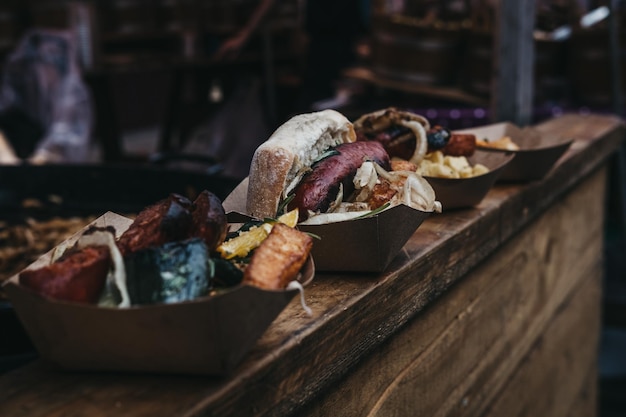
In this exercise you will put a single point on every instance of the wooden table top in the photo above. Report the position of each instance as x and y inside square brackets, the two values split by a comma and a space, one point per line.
[299, 356]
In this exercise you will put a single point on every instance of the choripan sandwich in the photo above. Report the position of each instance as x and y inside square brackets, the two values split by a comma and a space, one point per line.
[314, 163]
[409, 136]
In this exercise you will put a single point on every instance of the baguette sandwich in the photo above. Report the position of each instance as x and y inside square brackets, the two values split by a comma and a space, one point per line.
[314, 163]
[409, 136]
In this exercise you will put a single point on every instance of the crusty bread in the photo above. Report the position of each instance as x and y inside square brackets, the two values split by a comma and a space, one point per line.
[293, 147]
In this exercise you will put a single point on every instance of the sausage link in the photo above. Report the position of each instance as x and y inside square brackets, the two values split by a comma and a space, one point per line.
[319, 188]
[460, 145]
[165, 221]
[78, 276]
[209, 219]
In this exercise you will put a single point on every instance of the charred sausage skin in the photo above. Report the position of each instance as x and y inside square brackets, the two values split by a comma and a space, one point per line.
[165, 221]
[209, 219]
[319, 188]
[176, 218]
[78, 276]
[460, 144]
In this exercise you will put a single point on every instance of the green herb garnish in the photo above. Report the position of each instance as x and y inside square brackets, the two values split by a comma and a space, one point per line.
[283, 204]
[313, 235]
[375, 211]
[330, 152]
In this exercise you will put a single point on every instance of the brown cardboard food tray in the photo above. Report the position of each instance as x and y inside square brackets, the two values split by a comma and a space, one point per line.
[360, 245]
[209, 335]
[537, 155]
[467, 192]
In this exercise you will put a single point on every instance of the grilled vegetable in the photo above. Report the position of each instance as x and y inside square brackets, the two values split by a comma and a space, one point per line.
[240, 246]
[247, 240]
[173, 272]
[224, 274]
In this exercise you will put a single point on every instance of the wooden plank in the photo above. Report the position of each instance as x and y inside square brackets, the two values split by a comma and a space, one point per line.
[299, 356]
[513, 72]
[556, 370]
[458, 357]
[586, 402]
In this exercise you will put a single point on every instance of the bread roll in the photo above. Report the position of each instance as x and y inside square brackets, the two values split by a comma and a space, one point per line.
[281, 161]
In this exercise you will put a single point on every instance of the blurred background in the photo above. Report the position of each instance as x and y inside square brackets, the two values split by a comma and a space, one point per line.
[98, 96]
[154, 69]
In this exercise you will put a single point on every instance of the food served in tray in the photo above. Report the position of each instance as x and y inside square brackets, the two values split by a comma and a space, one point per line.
[171, 252]
[433, 151]
[535, 153]
[313, 163]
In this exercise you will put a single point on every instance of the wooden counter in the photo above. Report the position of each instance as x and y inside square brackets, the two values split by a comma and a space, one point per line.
[489, 311]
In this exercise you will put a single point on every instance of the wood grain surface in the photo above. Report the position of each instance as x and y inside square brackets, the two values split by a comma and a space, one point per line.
[464, 319]
[490, 337]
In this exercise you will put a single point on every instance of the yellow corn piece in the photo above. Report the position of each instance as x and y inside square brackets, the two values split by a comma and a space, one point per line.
[246, 241]
[241, 245]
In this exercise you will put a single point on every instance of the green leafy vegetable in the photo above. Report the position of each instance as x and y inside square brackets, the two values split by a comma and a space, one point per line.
[375, 211]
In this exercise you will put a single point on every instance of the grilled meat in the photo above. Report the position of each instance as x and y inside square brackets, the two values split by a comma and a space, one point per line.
[279, 258]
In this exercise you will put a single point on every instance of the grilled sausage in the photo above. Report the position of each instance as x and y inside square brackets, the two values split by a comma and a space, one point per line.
[78, 276]
[460, 145]
[209, 219]
[319, 188]
[165, 221]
